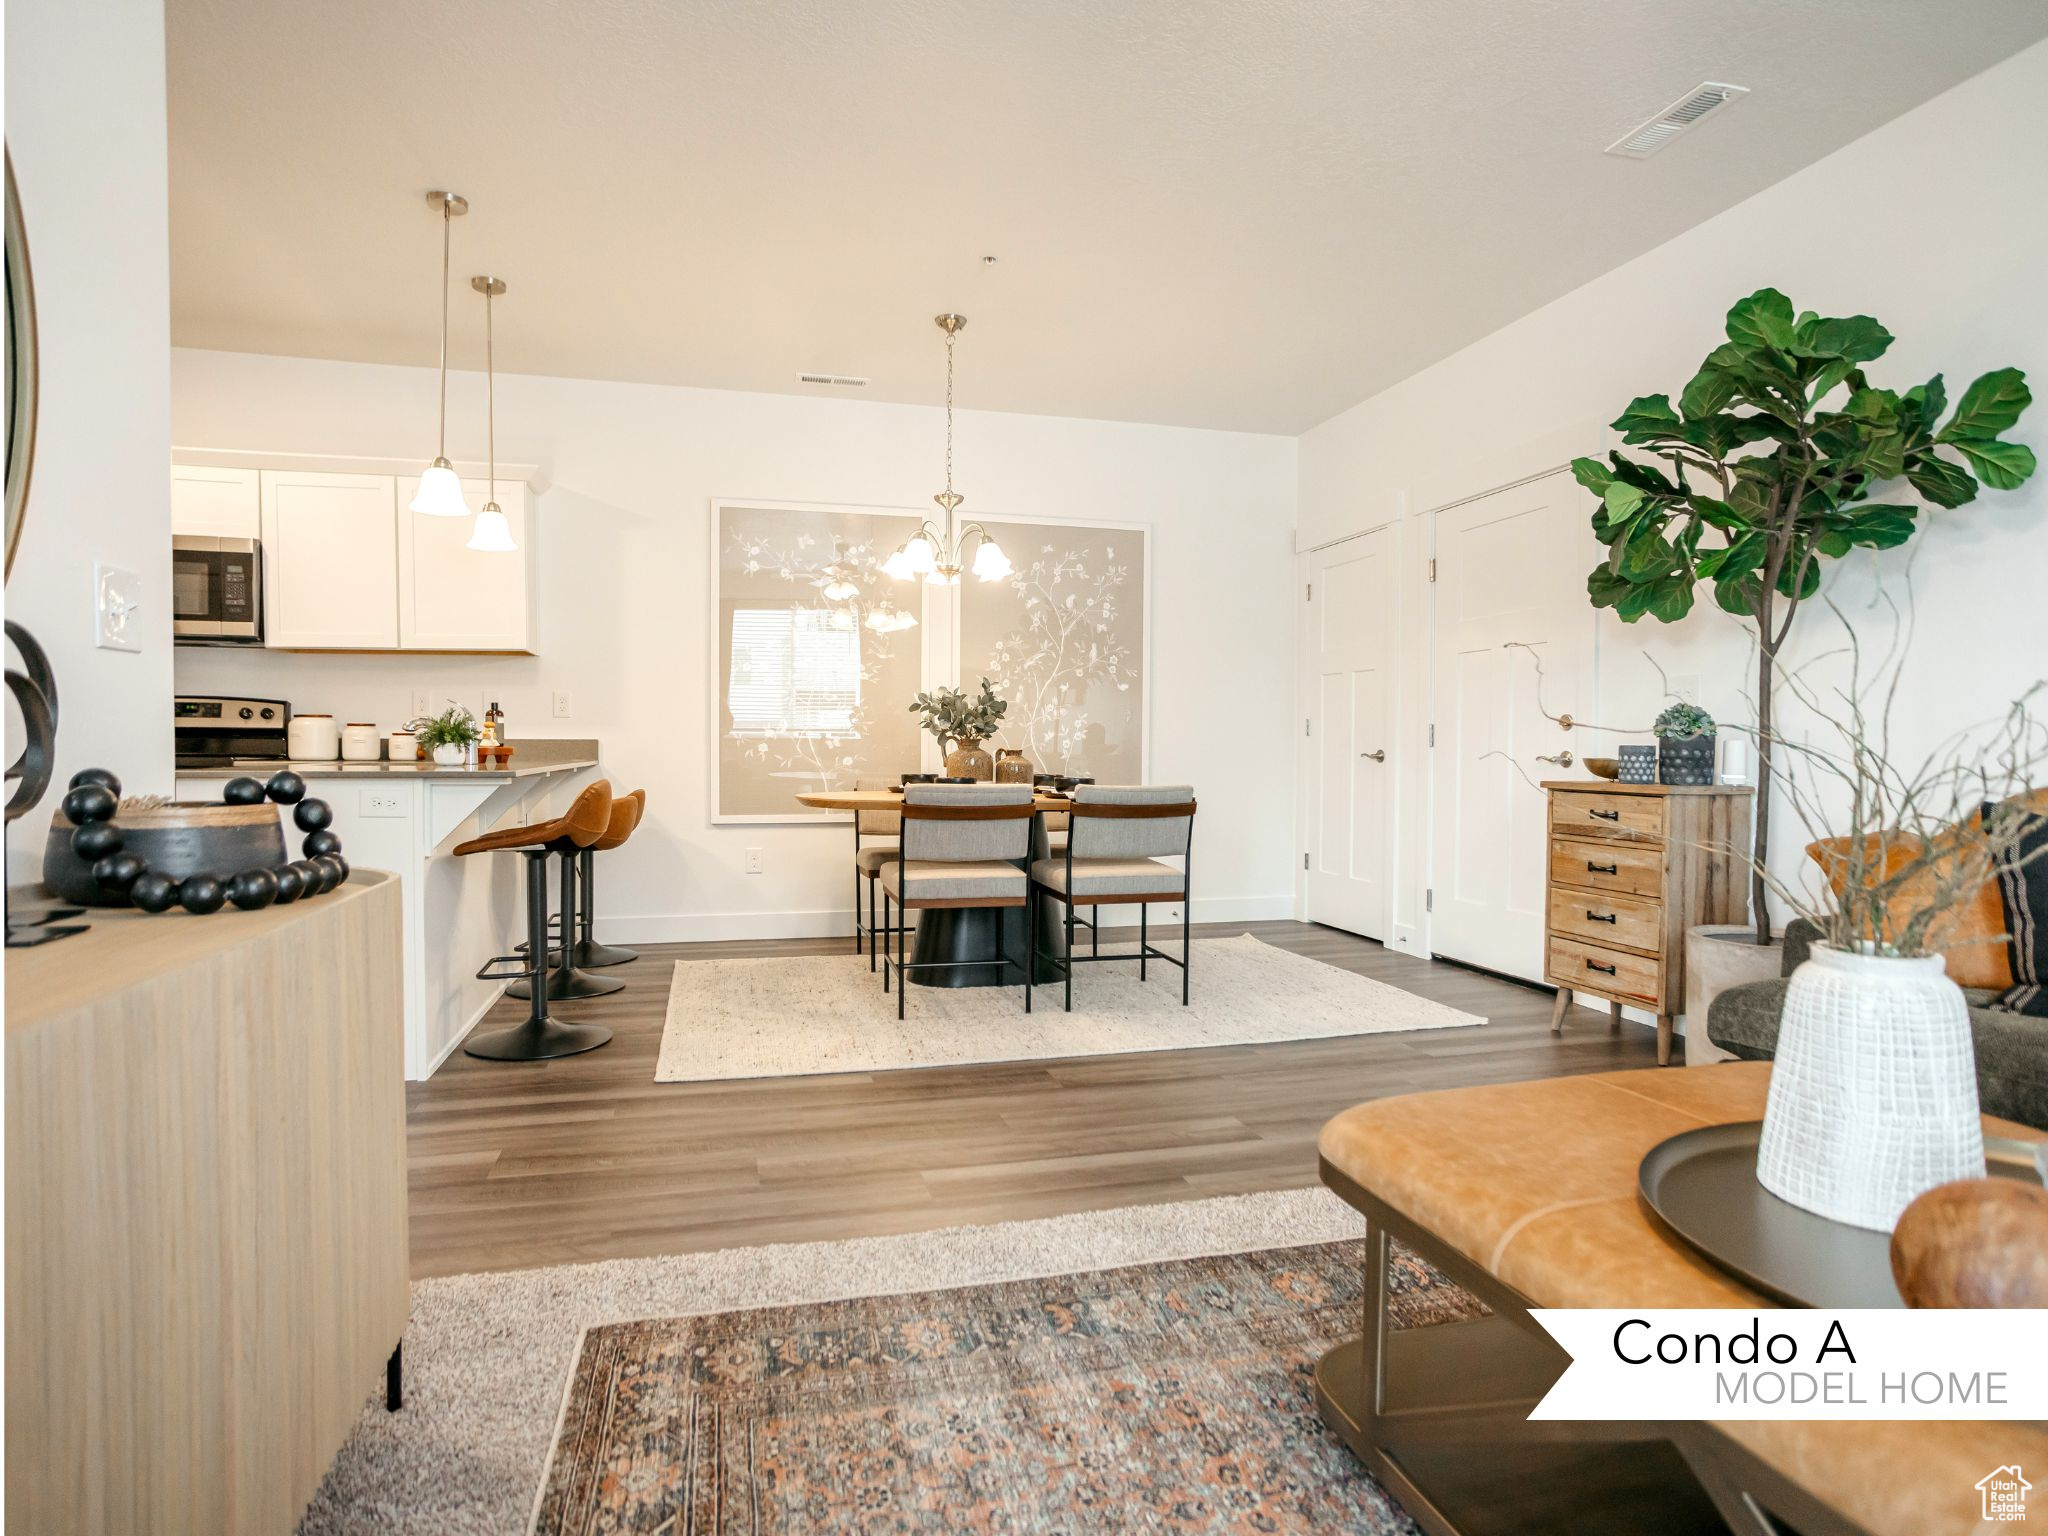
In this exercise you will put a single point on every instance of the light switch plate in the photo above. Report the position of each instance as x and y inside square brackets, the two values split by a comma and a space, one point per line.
[117, 605]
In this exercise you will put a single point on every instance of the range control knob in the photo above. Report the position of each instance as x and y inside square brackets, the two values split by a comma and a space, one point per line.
[269, 713]
[248, 713]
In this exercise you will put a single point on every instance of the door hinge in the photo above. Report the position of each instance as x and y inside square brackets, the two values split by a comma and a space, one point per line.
[1304, 727]
[1311, 591]
[1304, 861]
[1429, 901]
[1432, 735]
[1432, 567]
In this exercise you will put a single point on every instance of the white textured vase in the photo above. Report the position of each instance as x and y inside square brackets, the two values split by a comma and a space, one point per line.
[1874, 1094]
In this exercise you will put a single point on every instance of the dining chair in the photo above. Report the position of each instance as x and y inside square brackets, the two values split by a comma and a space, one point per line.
[875, 840]
[1055, 825]
[962, 845]
[1117, 844]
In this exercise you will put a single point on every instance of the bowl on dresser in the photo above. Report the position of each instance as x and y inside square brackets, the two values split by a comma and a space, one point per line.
[174, 839]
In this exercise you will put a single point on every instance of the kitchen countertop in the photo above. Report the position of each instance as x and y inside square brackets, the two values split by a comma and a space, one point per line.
[530, 759]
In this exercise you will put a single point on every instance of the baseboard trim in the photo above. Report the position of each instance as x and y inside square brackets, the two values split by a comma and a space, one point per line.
[718, 927]
[476, 1017]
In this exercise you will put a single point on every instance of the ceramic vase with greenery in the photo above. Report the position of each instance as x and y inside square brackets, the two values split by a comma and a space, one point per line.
[448, 736]
[1771, 456]
[960, 725]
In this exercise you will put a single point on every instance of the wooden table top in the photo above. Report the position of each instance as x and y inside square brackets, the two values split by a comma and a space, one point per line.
[892, 800]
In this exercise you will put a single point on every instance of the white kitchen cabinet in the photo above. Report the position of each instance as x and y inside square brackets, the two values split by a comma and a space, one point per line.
[330, 561]
[222, 503]
[453, 598]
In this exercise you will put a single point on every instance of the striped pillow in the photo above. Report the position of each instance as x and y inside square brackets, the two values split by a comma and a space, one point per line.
[2023, 889]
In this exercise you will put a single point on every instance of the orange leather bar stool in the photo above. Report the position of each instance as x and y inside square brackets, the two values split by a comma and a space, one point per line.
[626, 816]
[540, 1038]
[568, 980]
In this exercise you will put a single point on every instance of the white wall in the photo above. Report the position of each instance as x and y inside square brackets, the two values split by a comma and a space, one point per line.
[624, 549]
[1936, 225]
[85, 128]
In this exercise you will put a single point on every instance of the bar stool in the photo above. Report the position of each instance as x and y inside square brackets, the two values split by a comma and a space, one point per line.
[626, 816]
[568, 980]
[539, 1038]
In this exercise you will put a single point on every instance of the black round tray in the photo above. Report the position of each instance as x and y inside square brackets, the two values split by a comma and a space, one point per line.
[1701, 1186]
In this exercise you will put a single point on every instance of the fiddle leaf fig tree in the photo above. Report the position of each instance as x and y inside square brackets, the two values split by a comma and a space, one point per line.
[1769, 462]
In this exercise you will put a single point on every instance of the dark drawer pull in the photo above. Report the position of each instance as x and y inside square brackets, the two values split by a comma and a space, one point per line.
[1601, 869]
[1605, 815]
[1605, 970]
[1603, 917]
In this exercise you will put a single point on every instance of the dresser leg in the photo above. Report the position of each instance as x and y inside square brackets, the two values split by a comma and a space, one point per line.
[394, 1378]
[1558, 1010]
[1613, 1018]
[1663, 1039]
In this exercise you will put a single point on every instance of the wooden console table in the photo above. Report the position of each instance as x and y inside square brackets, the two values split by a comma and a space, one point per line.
[207, 1260]
[1525, 1194]
[1632, 866]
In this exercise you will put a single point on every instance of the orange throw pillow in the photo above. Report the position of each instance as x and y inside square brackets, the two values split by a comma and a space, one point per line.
[1972, 937]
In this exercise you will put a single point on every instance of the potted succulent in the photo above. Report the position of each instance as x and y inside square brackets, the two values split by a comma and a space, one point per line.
[449, 735]
[964, 724]
[1685, 746]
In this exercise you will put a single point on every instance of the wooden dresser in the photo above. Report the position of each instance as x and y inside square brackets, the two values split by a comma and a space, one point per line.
[1632, 866]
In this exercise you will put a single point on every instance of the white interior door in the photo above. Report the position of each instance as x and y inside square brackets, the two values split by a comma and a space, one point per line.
[1510, 573]
[1351, 595]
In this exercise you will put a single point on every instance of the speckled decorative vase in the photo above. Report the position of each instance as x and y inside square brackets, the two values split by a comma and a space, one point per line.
[1874, 1092]
[970, 760]
[1013, 767]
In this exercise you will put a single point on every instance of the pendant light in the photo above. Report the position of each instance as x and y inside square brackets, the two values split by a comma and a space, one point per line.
[927, 552]
[440, 492]
[492, 533]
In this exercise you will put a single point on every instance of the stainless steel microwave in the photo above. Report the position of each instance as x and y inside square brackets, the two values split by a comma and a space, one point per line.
[216, 590]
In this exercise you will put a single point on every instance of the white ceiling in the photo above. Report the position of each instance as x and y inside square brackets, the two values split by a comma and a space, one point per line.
[1223, 213]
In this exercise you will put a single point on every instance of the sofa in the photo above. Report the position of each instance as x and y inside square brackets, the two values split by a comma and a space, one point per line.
[2012, 1048]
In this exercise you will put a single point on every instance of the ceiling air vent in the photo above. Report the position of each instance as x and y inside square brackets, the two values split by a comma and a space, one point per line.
[845, 380]
[1686, 112]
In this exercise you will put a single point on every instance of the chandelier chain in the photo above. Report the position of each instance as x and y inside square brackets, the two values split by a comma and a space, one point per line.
[949, 412]
[447, 226]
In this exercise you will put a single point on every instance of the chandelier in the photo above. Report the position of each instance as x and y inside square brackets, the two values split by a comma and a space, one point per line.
[927, 552]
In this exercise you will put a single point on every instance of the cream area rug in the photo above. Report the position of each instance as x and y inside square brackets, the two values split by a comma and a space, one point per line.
[488, 1357]
[815, 1014]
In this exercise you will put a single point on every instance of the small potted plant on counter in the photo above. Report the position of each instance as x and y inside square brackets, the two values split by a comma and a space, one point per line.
[952, 717]
[449, 735]
[1685, 746]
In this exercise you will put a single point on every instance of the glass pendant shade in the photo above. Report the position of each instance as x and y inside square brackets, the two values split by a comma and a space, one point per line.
[841, 590]
[492, 533]
[440, 492]
[905, 620]
[897, 566]
[990, 563]
[922, 558]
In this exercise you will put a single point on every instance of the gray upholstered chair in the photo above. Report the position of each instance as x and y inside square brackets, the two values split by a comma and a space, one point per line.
[1116, 847]
[1055, 825]
[875, 835]
[962, 845]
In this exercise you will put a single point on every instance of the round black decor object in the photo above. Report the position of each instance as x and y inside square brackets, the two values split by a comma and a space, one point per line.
[242, 792]
[286, 787]
[318, 843]
[99, 776]
[90, 802]
[312, 880]
[118, 871]
[291, 883]
[201, 894]
[341, 865]
[253, 889]
[154, 893]
[312, 815]
[95, 840]
[332, 871]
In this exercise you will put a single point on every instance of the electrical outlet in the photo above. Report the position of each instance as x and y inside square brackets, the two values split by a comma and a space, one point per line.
[754, 861]
[562, 704]
[382, 802]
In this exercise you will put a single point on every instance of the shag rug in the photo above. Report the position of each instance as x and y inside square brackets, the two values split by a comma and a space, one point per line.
[1171, 1397]
[488, 1356]
[794, 1017]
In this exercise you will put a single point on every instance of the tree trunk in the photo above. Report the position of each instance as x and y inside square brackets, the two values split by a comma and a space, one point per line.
[1759, 912]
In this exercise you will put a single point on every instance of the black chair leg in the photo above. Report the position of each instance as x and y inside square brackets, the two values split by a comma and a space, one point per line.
[1187, 951]
[1144, 942]
[871, 923]
[856, 908]
[394, 1378]
[883, 936]
[1095, 930]
[570, 981]
[539, 1038]
[590, 953]
[1030, 942]
[1068, 964]
[902, 938]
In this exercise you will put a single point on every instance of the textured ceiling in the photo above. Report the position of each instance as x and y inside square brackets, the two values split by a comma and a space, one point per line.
[1222, 213]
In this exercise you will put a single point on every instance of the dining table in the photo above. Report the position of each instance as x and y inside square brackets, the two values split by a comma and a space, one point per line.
[954, 939]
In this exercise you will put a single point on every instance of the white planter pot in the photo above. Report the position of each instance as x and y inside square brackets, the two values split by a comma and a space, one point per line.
[448, 755]
[1874, 1095]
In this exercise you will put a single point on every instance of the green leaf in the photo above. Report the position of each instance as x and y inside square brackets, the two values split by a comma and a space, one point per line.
[1943, 483]
[1808, 585]
[1648, 556]
[1592, 474]
[1922, 405]
[1882, 526]
[1671, 599]
[1764, 319]
[1989, 406]
[1647, 417]
[2002, 466]
[1853, 339]
[1829, 379]
[1710, 390]
[1605, 588]
[1717, 514]
[1622, 501]
[1644, 477]
[1739, 596]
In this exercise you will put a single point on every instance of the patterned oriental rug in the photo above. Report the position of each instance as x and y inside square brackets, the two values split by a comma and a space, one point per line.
[1167, 1397]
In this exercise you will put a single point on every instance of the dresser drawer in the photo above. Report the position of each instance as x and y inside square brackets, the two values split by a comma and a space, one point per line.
[1617, 866]
[1588, 813]
[1620, 921]
[1590, 968]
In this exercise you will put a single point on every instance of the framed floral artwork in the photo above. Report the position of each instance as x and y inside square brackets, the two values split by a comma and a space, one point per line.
[815, 655]
[1065, 639]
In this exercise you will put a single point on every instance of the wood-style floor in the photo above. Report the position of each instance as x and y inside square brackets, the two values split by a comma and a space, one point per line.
[589, 1158]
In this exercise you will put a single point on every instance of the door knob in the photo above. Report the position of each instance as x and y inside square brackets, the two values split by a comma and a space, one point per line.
[1378, 757]
[1563, 759]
